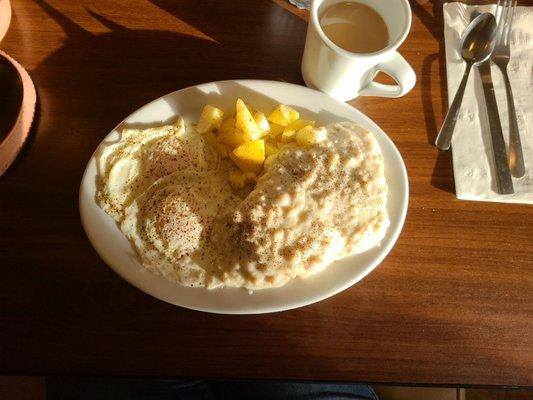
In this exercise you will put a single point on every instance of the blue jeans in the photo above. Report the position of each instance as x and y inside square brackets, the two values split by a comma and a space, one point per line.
[166, 389]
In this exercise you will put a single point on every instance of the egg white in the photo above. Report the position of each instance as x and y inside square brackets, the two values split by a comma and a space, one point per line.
[130, 165]
[170, 225]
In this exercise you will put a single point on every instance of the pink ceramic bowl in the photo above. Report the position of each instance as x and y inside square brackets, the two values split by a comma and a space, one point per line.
[5, 17]
[12, 144]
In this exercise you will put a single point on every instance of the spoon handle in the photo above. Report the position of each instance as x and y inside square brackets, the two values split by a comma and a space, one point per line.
[444, 138]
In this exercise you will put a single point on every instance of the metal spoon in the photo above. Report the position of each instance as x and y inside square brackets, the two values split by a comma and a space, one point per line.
[11, 93]
[477, 44]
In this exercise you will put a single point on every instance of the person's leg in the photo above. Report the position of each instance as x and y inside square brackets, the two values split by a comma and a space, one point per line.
[127, 389]
[270, 390]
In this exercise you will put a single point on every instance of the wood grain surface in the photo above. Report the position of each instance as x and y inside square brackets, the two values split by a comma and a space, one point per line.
[451, 304]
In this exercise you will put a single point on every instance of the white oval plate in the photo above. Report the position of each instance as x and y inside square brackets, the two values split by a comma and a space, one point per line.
[115, 249]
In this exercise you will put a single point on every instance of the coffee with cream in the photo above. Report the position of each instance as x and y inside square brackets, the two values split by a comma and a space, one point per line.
[355, 27]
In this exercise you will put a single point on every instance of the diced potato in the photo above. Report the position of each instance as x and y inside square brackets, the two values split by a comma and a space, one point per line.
[232, 138]
[283, 115]
[308, 136]
[304, 137]
[291, 129]
[238, 179]
[249, 156]
[270, 148]
[287, 136]
[227, 125]
[245, 122]
[210, 119]
[269, 161]
[222, 149]
[277, 117]
[262, 122]
[293, 115]
[298, 124]
[275, 130]
[228, 134]
[251, 108]
[252, 140]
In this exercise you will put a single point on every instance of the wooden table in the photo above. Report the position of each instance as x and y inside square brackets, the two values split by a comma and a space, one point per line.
[451, 304]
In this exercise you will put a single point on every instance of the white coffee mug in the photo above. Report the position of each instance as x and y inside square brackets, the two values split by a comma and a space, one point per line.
[345, 75]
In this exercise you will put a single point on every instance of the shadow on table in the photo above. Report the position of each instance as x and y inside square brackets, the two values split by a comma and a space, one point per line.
[105, 76]
[442, 176]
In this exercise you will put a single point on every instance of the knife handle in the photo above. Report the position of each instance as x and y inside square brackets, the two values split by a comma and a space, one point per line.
[501, 165]
[516, 157]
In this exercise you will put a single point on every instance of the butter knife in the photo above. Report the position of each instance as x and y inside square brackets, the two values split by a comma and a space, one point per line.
[501, 165]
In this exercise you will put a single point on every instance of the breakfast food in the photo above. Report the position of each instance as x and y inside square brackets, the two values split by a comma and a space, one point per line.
[170, 225]
[251, 139]
[248, 199]
[310, 207]
[141, 156]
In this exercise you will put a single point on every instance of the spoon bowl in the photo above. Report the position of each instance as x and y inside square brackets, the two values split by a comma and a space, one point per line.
[477, 45]
[479, 39]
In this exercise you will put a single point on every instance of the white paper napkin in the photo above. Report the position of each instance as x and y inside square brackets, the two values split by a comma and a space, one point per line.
[473, 163]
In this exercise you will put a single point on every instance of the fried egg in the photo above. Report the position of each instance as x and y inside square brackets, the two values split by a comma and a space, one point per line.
[170, 225]
[130, 165]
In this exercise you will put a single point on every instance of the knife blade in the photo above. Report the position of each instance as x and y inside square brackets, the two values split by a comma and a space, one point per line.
[503, 173]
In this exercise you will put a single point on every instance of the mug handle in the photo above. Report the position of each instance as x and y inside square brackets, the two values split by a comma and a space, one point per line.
[399, 70]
